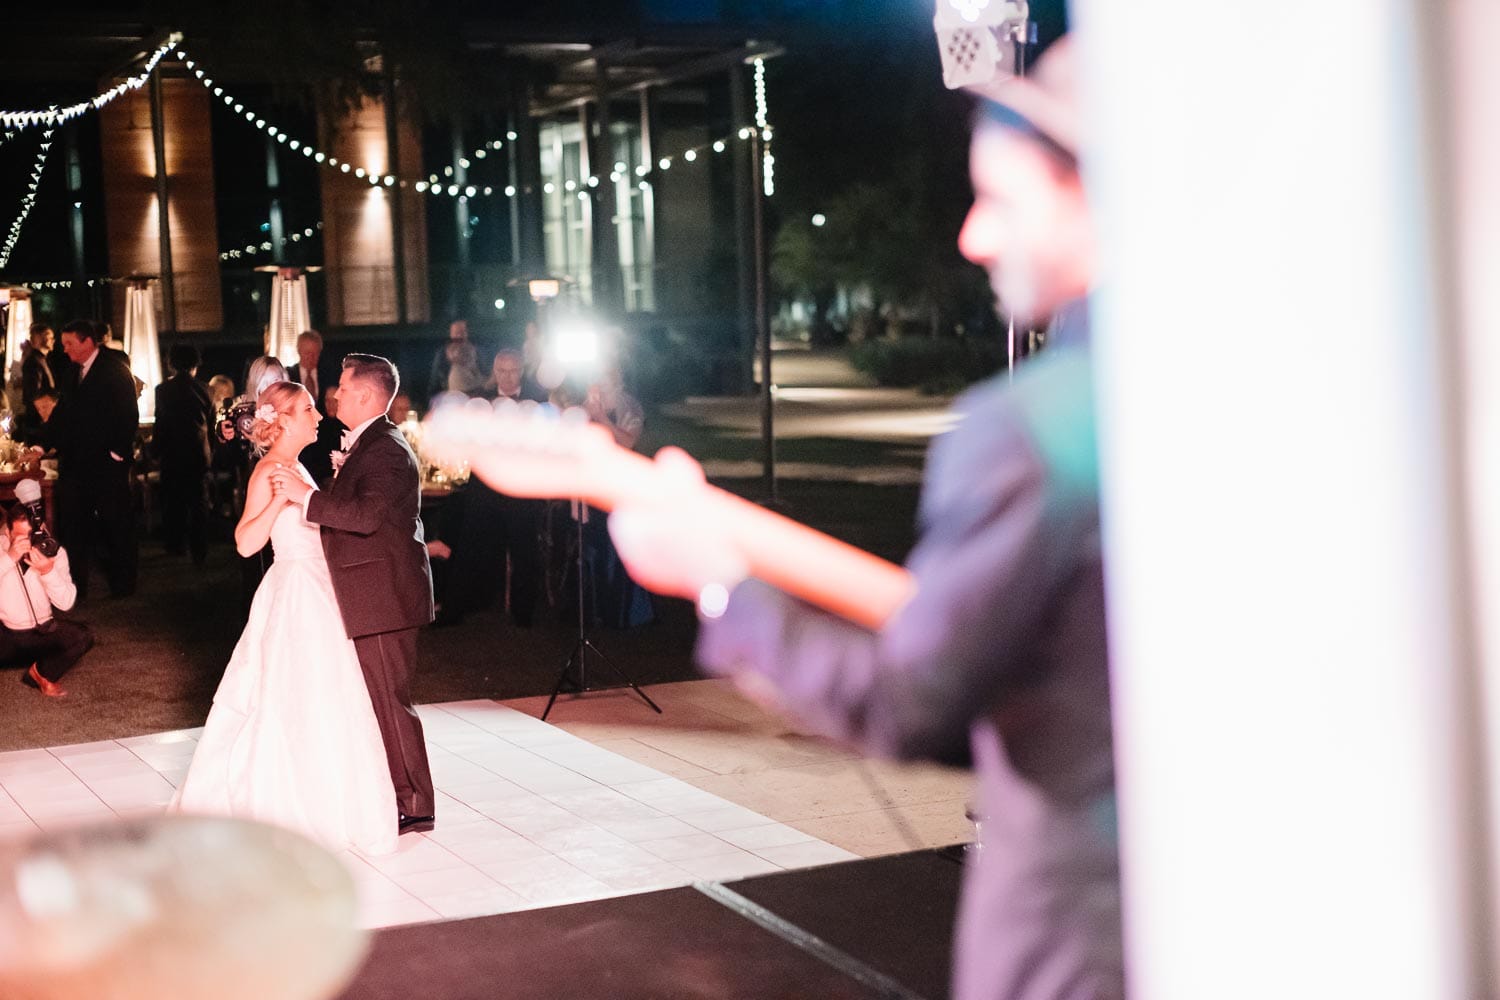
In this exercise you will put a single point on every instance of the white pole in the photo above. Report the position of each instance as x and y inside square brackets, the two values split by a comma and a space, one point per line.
[1280, 506]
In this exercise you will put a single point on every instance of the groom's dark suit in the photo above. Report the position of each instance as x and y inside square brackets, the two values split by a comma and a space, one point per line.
[372, 536]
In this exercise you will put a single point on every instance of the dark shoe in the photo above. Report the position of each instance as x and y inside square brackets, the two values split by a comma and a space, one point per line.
[51, 689]
[415, 824]
[447, 619]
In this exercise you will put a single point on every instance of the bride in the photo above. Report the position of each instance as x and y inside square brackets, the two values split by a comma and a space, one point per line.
[292, 738]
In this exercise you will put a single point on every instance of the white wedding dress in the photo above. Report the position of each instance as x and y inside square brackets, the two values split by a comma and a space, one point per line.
[292, 738]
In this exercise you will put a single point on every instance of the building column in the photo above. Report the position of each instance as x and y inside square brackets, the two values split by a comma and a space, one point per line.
[526, 153]
[368, 281]
[184, 251]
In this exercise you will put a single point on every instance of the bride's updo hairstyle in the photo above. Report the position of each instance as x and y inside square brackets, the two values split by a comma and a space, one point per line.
[273, 401]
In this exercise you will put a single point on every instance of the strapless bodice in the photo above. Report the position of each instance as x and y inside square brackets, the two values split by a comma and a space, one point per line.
[292, 537]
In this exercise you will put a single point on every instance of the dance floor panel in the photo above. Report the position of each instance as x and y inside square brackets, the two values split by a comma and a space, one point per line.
[862, 929]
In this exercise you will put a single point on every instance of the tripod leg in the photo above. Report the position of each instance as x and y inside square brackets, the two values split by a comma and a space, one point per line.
[629, 681]
[561, 678]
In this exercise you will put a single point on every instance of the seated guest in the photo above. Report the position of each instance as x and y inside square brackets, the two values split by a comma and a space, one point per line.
[400, 409]
[31, 585]
[31, 427]
[508, 378]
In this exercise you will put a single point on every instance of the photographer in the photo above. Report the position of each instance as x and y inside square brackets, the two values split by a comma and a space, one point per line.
[31, 585]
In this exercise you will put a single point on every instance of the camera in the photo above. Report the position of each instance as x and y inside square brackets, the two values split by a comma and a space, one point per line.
[29, 495]
[239, 413]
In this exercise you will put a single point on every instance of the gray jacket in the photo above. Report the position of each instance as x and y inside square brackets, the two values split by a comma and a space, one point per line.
[1004, 640]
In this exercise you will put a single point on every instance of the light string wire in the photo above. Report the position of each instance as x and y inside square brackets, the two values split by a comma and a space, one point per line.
[29, 199]
[54, 116]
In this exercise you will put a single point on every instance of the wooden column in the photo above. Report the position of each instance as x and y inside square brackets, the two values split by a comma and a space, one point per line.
[131, 199]
[360, 224]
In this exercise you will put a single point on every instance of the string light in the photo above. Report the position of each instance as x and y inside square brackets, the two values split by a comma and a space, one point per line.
[29, 198]
[432, 185]
[55, 116]
[763, 122]
[251, 249]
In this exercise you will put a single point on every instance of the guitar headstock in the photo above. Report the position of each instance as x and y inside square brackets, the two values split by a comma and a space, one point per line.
[522, 449]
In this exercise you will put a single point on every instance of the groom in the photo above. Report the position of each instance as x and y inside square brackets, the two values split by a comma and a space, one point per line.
[372, 536]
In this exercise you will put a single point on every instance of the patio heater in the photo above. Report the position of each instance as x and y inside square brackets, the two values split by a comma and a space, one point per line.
[141, 341]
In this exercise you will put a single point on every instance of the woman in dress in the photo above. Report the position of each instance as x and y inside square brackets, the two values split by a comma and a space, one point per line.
[292, 738]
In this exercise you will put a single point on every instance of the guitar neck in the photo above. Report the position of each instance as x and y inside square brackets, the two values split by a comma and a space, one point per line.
[808, 564]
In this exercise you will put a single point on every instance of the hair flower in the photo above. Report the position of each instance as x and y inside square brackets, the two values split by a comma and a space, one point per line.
[266, 413]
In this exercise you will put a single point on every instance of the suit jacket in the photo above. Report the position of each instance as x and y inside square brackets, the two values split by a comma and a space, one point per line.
[1003, 641]
[328, 375]
[317, 457]
[184, 420]
[372, 535]
[37, 376]
[95, 418]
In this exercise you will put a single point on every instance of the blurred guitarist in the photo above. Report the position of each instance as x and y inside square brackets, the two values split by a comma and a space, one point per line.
[998, 633]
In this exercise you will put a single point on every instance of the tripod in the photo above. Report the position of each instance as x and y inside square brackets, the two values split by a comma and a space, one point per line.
[583, 646]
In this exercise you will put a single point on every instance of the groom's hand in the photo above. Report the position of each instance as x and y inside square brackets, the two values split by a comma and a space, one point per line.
[286, 483]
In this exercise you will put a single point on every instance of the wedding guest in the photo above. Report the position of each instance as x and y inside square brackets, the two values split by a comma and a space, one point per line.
[497, 537]
[36, 371]
[33, 428]
[220, 388]
[400, 409]
[111, 346]
[311, 371]
[463, 368]
[437, 382]
[184, 421]
[31, 586]
[95, 437]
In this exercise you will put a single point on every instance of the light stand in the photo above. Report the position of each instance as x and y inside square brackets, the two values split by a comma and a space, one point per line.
[579, 350]
[583, 646]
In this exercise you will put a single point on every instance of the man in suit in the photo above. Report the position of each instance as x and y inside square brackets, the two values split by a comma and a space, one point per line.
[1002, 639]
[184, 420]
[311, 371]
[94, 432]
[493, 526]
[37, 376]
[372, 534]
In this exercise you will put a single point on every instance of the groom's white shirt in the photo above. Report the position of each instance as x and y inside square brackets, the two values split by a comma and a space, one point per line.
[346, 441]
[350, 436]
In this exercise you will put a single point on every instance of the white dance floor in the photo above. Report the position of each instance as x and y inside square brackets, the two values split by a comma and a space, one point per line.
[528, 815]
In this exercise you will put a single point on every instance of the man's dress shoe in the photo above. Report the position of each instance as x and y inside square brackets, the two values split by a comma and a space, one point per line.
[416, 824]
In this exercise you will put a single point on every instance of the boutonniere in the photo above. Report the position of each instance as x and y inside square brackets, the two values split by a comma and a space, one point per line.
[337, 456]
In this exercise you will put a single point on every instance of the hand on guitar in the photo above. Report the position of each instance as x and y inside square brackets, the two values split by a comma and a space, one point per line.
[675, 532]
[671, 537]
